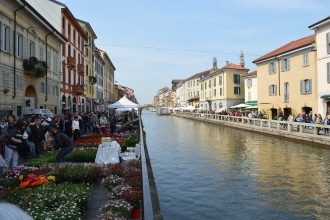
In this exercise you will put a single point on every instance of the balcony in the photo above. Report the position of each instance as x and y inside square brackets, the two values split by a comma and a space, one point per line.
[81, 68]
[92, 79]
[34, 67]
[71, 62]
[78, 89]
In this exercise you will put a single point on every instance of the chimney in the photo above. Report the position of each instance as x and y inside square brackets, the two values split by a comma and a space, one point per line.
[227, 63]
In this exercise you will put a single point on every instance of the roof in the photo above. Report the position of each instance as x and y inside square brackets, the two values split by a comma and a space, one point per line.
[254, 73]
[288, 47]
[319, 22]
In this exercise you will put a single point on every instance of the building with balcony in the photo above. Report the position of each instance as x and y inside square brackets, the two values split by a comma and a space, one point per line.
[30, 50]
[287, 79]
[72, 53]
[90, 78]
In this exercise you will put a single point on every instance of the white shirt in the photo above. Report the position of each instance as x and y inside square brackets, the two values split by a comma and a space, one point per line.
[75, 124]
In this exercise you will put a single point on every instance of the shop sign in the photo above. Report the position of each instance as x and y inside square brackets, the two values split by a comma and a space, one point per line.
[7, 107]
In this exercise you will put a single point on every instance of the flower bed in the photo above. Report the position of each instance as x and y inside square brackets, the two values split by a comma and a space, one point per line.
[49, 190]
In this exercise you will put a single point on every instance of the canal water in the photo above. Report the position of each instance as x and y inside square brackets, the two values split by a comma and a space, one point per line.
[206, 171]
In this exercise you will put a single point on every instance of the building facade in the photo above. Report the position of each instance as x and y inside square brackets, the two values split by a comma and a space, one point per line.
[30, 49]
[287, 79]
[322, 33]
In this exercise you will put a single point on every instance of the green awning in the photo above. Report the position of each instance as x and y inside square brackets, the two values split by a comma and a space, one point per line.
[251, 103]
[325, 96]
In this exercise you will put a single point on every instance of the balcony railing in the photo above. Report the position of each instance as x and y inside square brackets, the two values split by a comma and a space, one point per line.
[71, 62]
[92, 79]
[81, 68]
[77, 89]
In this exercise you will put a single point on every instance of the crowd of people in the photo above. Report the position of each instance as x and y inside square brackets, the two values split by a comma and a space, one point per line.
[38, 134]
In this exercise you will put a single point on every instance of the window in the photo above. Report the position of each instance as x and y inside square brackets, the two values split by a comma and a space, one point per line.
[5, 79]
[214, 92]
[328, 72]
[42, 87]
[272, 68]
[32, 49]
[285, 64]
[272, 90]
[249, 96]
[5, 39]
[205, 84]
[19, 45]
[237, 90]
[248, 82]
[286, 92]
[209, 83]
[237, 78]
[306, 86]
[220, 91]
[214, 82]
[328, 43]
[305, 59]
[220, 80]
[19, 82]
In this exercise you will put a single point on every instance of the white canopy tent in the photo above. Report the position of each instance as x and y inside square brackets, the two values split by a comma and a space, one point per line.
[240, 106]
[123, 103]
[221, 109]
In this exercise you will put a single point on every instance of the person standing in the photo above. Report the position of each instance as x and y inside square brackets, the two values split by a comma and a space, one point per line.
[76, 128]
[113, 122]
[37, 136]
[63, 143]
[15, 139]
[68, 126]
[103, 123]
[3, 135]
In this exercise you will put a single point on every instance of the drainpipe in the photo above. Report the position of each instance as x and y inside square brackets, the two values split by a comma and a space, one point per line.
[15, 32]
[46, 78]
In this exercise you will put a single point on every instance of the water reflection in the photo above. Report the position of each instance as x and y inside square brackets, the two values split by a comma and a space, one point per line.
[204, 171]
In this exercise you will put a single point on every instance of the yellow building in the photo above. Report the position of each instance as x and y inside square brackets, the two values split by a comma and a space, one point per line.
[108, 79]
[30, 54]
[287, 79]
[90, 79]
[223, 87]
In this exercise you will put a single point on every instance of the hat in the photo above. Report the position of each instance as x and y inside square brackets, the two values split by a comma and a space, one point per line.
[49, 119]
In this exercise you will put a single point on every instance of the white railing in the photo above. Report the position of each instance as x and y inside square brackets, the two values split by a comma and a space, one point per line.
[261, 124]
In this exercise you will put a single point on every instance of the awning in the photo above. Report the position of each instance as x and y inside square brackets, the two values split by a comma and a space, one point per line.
[251, 102]
[325, 96]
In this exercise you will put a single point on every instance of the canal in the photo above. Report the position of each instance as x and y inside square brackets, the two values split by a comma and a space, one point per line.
[207, 171]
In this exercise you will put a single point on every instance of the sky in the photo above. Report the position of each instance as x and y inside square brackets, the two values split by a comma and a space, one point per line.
[153, 42]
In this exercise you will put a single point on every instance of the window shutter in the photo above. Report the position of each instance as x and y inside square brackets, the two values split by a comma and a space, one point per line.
[275, 67]
[282, 65]
[310, 86]
[328, 42]
[1, 31]
[302, 87]
[24, 47]
[269, 68]
[10, 41]
[328, 72]
[270, 90]
[275, 89]
[288, 63]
